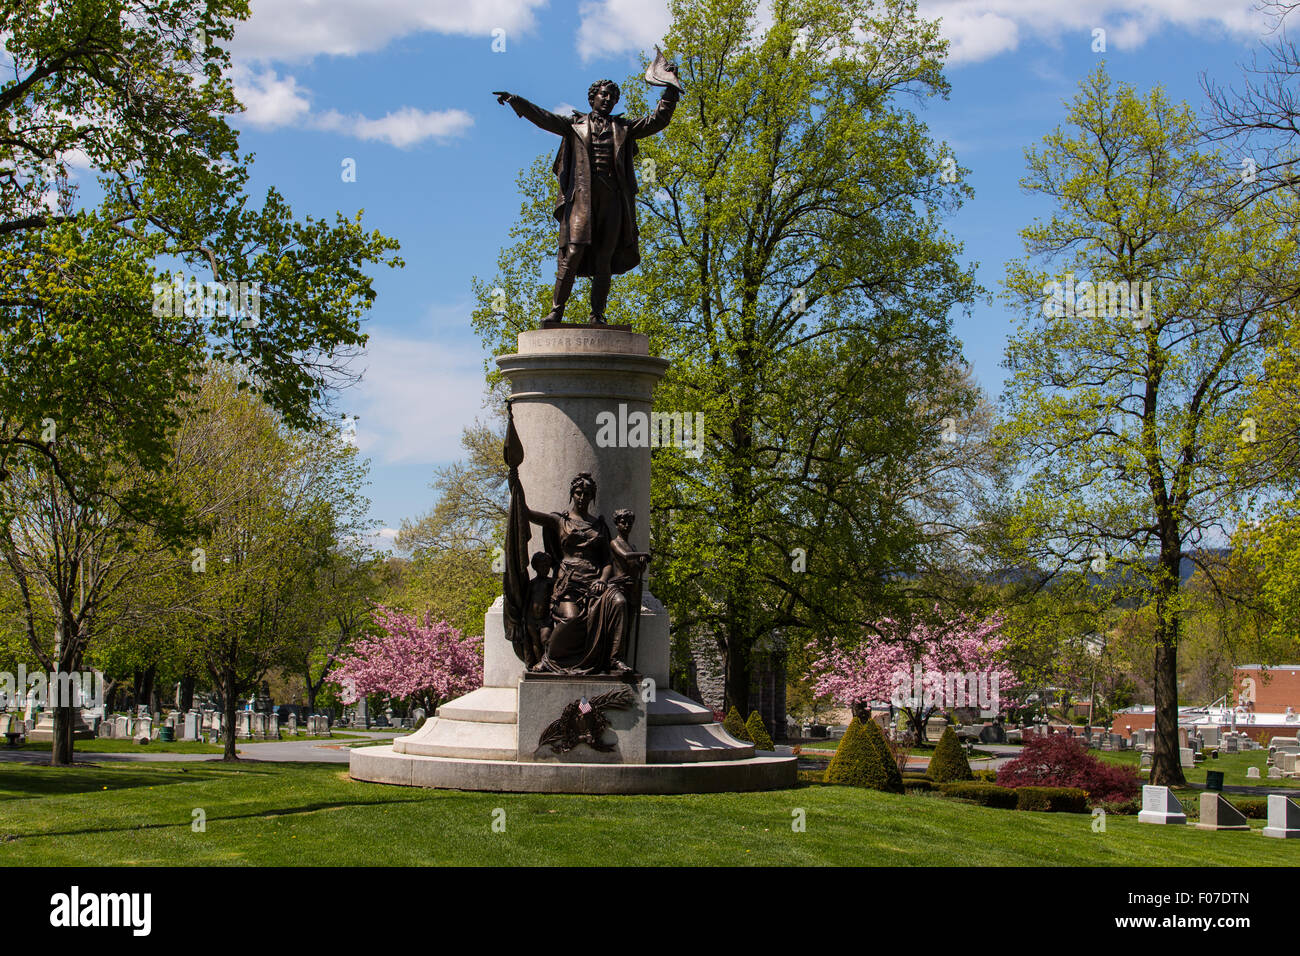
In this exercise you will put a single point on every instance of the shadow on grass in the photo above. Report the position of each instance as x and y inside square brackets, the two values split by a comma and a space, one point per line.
[23, 781]
[20, 781]
[253, 815]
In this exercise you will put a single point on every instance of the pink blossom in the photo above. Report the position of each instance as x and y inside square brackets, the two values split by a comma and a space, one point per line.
[429, 661]
[873, 668]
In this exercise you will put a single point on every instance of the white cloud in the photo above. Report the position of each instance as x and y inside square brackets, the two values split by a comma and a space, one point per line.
[978, 29]
[269, 99]
[416, 397]
[611, 27]
[297, 30]
[402, 128]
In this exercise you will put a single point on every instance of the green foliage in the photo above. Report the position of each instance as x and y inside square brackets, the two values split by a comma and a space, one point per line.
[948, 762]
[985, 794]
[734, 725]
[1124, 416]
[892, 776]
[758, 732]
[1052, 799]
[863, 760]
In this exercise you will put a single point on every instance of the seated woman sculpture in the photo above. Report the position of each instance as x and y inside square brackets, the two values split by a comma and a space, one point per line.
[588, 612]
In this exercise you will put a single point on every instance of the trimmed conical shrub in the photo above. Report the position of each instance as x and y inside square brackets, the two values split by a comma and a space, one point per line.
[735, 725]
[863, 760]
[891, 775]
[758, 732]
[949, 763]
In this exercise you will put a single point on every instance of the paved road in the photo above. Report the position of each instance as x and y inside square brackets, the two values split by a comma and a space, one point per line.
[303, 751]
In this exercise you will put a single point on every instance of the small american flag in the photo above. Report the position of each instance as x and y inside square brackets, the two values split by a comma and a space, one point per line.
[584, 707]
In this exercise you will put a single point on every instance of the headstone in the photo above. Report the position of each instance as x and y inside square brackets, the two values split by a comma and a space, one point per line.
[417, 715]
[143, 729]
[1211, 736]
[1182, 736]
[106, 728]
[1186, 758]
[1144, 761]
[1252, 773]
[1231, 744]
[1160, 806]
[244, 725]
[1283, 817]
[1218, 814]
[293, 723]
[192, 728]
[273, 726]
[1274, 773]
[122, 726]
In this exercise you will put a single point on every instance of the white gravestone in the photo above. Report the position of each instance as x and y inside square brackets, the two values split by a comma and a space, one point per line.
[1186, 758]
[1252, 773]
[1283, 818]
[1218, 814]
[1160, 806]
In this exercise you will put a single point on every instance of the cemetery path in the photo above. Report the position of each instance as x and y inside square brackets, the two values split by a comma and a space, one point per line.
[301, 751]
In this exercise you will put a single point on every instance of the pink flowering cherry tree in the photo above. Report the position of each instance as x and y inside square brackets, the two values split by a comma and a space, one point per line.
[425, 662]
[921, 668]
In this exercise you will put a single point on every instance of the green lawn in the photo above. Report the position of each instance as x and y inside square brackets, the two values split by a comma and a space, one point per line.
[1233, 766]
[111, 745]
[313, 814]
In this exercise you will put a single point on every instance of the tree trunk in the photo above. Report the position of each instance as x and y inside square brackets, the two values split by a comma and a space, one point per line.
[737, 677]
[231, 693]
[65, 657]
[187, 693]
[1166, 767]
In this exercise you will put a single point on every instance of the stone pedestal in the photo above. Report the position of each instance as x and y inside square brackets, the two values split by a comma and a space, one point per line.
[542, 702]
[44, 729]
[569, 385]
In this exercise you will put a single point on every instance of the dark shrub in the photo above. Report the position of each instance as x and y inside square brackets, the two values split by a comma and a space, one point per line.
[1052, 799]
[758, 732]
[923, 784]
[1253, 808]
[893, 777]
[859, 762]
[734, 725]
[1060, 761]
[949, 763]
[985, 794]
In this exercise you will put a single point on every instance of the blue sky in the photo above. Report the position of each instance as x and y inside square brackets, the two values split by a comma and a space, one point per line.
[402, 87]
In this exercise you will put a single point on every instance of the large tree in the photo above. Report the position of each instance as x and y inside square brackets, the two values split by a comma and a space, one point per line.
[796, 273]
[1141, 330]
[97, 359]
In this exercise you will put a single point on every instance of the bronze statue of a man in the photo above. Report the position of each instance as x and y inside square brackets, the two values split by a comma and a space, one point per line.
[597, 208]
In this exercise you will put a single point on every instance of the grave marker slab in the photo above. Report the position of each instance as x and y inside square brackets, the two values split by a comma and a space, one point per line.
[1283, 818]
[1218, 814]
[1252, 773]
[1160, 806]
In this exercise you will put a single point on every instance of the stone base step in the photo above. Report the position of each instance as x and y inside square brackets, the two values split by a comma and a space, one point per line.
[670, 707]
[692, 743]
[473, 740]
[491, 705]
[384, 765]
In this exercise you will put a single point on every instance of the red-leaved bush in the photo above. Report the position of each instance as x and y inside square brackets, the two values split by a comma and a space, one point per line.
[1061, 761]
